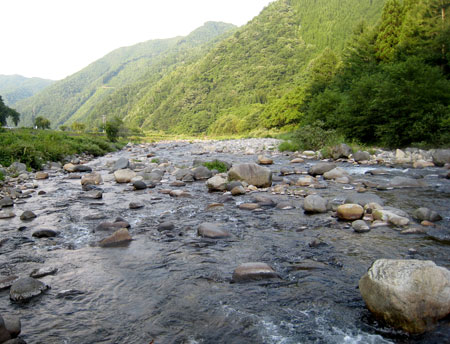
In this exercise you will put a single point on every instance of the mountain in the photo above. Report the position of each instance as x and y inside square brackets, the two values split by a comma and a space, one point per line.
[230, 88]
[14, 88]
[73, 98]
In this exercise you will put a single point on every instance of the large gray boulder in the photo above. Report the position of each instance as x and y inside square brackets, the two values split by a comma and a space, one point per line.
[121, 163]
[441, 157]
[341, 151]
[321, 167]
[252, 174]
[408, 294]
[201, 173]
[4, 333]
[361, 156]
[315, 204]
[124, 176]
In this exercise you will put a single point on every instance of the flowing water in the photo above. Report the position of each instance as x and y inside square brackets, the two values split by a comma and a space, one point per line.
[174, 287]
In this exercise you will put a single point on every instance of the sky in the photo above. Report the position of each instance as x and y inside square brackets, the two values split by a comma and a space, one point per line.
[53, 39]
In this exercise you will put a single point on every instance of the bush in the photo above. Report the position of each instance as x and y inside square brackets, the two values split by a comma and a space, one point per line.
[112, 128]
[216, 165]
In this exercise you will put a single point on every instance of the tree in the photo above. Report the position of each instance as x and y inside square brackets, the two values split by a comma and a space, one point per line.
[112, 128]
[6, 112]
[78, 127]
[63, 127]
[42, 123]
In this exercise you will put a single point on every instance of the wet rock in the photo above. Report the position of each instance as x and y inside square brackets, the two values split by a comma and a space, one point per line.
[253, 271]
[25, 288]
[124, 176]
[135, 205]
[92, 179]
[12, 325]
[69, 294]
[45, 233]
[320, 168]
[252, 174]
[350, 211]
[6, 214]
[7, 282]
[361, 156]
[391, 217]
[17, 167]
[441, 157]
[201, 173]
[118, 238]
[439, 234]
[407, 294]
[82, 168]
[4, 333]
[263, 160]
[378, 172]
[41, 175]
[249, 206]
[121, 164]
[426, 214]
[212, 231]
[217, 183]
[139, 185]
[341, 151]
[179, 193]
[315, 204]
[93, 194]
[184, 173]
[285, 205]
[69, 167]
[166, 226]
[6, 202]
[27, 215]
[238, 190]
[264, 201]
[297, 161]
[363, 199]
[406, 182]
[305, 181]
[38, 273]
[360, 226]
[105, 226]
[422, 164]
[335, 173]
[177, 184]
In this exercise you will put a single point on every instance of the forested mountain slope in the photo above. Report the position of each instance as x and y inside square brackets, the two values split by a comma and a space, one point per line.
[73, 98]
[16, 87]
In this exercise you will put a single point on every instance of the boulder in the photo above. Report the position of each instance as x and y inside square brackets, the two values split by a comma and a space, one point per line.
[135, 205]
[315, 204]
[13, 326]
[263, 160]
[217, 183]
[306, 181]
[426, 214]
[238, 190]
[422, 164]
[25, 288]
[361, 156]
[441, 157]
[4, 333]
[106, 226]
[212, 230]
[166, 226]
[335, 173]
[121, 164]
[252, 174]
[124, 176]
[41, 175]
[92, 179]
[201, 173]
[341, 151]
[360, 226]
[118, 238]
[350, 211]
[45, 233]
[6, 202]
[27, 215]
[82, 168]
[253, 271]
[411, 295]
[320, 168]
[69, 167]
[297, 160]
[183, 174]
[17, 168]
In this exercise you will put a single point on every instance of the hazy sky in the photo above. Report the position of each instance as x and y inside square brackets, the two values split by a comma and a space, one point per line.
[55, 38]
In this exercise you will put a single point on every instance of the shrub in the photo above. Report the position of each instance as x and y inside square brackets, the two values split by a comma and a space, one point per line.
[216, 165]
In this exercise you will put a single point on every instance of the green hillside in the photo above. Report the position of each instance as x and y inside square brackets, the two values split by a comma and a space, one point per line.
[74, 98]
[230, 89]
[14, 88]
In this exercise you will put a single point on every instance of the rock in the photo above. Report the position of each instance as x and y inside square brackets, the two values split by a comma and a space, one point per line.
[135, 205]
[118, 238]
[335, 173]
[27, 215]
[309, 153]
[249, 206]
[17, 167]
[184, 173]
[315, 204]
[426, 214]
[408, 294]
[45, 233]
[4, 214]
[25, 288]
[297, 161]
[392, 218]
[179, 193]
[350, 211]
[105, 226]
[212, 230]
[41, 175]
[252, 174]
[361, 156]
[378, 172]
[4, 333]
[13, 326]
[92, 179]
[201, 173]
[406, 182]
[139, 185]
[38, 273]
[6, 282]
[341, 151]
[441, 157]
[320, 168]
[253, 271]
[6, 202]
[439, 234]
[69, 167]
[177, 183]
[124, 176]
[422, 164]
[263, 160]
[166, 226]
[285, 205]
[82, 168]
[238, 190]
[217, 183]
[121, 164]
[306, 181]
[360, 226]
[93, 194]
[363, 199]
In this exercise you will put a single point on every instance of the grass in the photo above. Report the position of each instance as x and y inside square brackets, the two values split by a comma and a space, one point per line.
[216, 165]
[2, 176]
[36, 147]
[155, 161]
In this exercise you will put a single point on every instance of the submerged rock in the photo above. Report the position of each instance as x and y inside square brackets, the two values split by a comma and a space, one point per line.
[408, 294]
[253, 271]
[25, 288]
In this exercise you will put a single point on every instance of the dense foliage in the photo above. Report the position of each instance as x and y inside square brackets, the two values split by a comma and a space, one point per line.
[6, 112]
[35, 147]
[17, 87]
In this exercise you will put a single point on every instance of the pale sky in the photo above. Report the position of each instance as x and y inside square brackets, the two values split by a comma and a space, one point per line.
[55, 38]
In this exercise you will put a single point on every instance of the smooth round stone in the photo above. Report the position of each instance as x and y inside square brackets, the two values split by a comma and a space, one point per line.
[135, 205]
[45, 233]
[6, 214]
[263, 160]
[253, 271]
[41, 175]
[238, 190]
[4, 333]
[360, 226]
[25, 288]
[249, 206]
[139, 185]
[13, 325]
[177, 183]
[118, 238]
[350, 211]
[297, 161]
[212, 230]
[315, 204]
[166, 226]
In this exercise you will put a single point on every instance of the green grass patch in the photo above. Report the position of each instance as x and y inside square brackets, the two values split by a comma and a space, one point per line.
[216, 165]
[2, 176]
[155, 161]
[36, 147]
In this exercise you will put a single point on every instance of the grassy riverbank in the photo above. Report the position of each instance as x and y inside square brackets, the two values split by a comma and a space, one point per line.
[35, 147]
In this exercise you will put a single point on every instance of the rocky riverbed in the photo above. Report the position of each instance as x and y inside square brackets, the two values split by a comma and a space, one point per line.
[146, 245]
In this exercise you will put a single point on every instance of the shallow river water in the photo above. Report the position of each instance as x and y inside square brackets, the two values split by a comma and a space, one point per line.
[174, 287]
